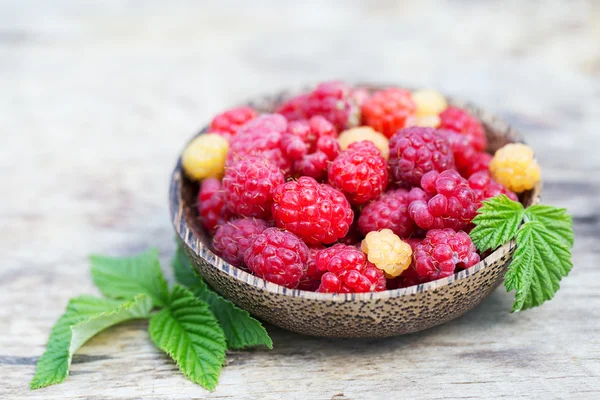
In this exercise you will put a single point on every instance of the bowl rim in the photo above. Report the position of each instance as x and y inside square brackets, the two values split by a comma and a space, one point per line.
[186, 235]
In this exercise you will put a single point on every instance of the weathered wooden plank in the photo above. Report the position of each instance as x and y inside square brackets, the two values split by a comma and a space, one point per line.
[98, 99]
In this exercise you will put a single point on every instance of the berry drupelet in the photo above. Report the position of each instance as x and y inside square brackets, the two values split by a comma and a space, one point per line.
[346, 270]
[416, 151]
[315, 212]
[388, 110]
[442, 252]
[232, 239]
[390, 211]
[446, 201]
[249, 184]
[277, 256]
[359, 172]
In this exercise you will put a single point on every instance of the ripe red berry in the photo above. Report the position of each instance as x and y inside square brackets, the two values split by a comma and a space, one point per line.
[261, 137]
[459, 120]
[228, 122]
[316, 212]
[388, 110]
[485, 187]
[211, 204]
[442, 251]
[410, 277]
[359, 172]
[462, 149]
[389, 211]
[277, 256]
[233, 238]
[416, 151]
[312, 145]
[249, 184]
[315, 164]
[446, 201]
[309, 131]
[478, 161]
[312, 279]
[353, 237]
[332, 100]
[346, 270]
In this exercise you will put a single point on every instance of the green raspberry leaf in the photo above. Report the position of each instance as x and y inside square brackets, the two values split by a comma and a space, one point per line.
[189, 333]
[85, 317]
[185, 273]
[123, 278]
[541, 260]
[241, 330]
[554, 219]
[497, 222]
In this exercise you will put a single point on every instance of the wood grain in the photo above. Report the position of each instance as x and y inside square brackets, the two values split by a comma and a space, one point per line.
[97, 99]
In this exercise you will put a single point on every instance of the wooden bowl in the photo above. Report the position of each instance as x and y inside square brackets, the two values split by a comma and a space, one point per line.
[381, 314]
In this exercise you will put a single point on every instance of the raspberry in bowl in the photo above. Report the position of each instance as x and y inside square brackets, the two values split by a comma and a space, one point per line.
[310, 212]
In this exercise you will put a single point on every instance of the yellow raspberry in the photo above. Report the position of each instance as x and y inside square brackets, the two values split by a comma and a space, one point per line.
[360, 133]
[387, 251]
[205, 156]
[429, 102]
[427, 121]
[515, 167]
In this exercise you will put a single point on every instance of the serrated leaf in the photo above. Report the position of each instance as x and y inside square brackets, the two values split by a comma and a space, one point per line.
[554, 219]
[519, 275]
[123, 278]
[188, 332]
[241, 330]
[184, 272]
[85, 317]
[497, 222]
[541, 260]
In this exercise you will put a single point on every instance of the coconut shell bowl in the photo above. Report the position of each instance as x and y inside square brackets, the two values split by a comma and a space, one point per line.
[378, 314]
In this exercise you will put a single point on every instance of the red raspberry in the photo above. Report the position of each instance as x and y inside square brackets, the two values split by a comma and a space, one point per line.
[416, 151]
[228, 123]
[249, 184]
[389, 211]
[346, 270]
[312, 145]
[462, 149]
[277, 256]
[359, 172]
[261, 137]
[293, 147]
[388, 110]
[478, 161]
[332, 100]
[315, 164]
[233, 238]
[211, 204]
[410, 277]
[446, 202]
[312, 279]
[459, 120]
[353, 237]
[316, 212]
[442, 251]
[309, 131]
[485, 187]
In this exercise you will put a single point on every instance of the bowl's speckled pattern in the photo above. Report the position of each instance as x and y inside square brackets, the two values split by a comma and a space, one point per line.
[381, 314]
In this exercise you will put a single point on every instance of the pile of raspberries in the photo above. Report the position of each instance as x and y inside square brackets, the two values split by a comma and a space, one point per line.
[342, 190]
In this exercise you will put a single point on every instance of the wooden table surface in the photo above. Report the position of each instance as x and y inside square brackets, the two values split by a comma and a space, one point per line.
[97, 99]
